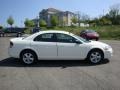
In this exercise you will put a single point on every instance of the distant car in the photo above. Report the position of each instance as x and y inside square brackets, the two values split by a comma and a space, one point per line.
[34, 30]
[58, 45]
[2, 33]
[89, 34]
[14, 30]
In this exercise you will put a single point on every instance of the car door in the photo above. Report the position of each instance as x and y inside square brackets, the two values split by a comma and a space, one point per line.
[68, 49]
[45, 46]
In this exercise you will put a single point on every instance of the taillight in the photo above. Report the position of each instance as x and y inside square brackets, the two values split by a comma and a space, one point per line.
[11, 44]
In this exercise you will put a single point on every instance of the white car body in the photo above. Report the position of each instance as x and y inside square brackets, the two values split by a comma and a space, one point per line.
[57, 50]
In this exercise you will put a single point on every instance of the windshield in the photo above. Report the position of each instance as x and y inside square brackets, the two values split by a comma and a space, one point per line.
[90, 31]
[82, 39]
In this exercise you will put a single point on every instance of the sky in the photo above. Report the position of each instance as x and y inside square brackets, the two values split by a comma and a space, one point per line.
[22, 9]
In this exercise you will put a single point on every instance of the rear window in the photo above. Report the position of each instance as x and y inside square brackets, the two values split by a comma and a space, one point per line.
[47, 37]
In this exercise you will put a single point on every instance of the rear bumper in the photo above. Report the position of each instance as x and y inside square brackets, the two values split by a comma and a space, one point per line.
[12, 53]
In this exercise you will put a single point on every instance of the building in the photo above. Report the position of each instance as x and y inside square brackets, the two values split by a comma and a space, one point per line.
[64, 17]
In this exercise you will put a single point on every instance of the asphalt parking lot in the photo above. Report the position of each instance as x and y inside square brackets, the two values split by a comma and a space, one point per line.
[59, 75]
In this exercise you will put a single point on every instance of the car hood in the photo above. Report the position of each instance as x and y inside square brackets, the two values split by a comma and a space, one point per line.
[98, 43]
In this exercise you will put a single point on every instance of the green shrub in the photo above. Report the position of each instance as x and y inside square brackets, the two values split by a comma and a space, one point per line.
[28, 31]
[42, 23]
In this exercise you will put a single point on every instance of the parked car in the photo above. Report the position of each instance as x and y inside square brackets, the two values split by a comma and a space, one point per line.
[34, 30]
[58, 45]
[2, 33]
[14, 31]
[89, 34]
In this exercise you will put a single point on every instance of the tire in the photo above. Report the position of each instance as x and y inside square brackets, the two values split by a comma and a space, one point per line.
[95, 56]
[97, 39]
[3, 34]
[19, 34]
[28, 57]
[86, 38]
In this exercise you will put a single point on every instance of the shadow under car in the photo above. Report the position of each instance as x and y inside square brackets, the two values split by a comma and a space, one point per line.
[12, 62]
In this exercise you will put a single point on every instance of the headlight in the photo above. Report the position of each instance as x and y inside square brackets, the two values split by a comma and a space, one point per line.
[107, 47]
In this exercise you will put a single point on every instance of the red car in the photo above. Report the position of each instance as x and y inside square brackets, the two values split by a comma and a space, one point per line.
[89, 34]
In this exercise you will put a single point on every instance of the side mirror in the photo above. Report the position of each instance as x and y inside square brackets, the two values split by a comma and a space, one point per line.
[77, 42]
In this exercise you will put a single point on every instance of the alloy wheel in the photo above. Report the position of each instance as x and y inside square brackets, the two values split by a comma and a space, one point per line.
[95, 57]
[28, 58]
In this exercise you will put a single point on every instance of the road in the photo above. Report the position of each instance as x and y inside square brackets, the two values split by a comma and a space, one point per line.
[59, 75]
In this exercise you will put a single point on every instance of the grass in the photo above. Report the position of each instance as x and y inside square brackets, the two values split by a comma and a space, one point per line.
[108, 32]
[105, 32]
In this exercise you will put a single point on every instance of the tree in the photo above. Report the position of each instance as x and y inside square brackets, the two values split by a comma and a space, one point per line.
[79, 16]
[10, 21]
[84, 18]
[74, 20]
[115, 10]
[26, 22]
[104, 21]
[114, 14]
[100, 21]
[54, 20]
[1, 27]
[42, 23]
[29, 23]
[93, 22]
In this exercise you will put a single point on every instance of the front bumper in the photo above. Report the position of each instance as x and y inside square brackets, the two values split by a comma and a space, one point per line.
[108, 53]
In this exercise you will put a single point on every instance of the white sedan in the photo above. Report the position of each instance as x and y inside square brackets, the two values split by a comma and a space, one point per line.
[58, 45]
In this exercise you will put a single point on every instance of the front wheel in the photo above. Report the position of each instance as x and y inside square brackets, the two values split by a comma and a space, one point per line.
[95, 56]
[28, 57]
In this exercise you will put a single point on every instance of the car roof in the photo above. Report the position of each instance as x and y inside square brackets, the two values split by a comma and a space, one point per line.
[54, 31]
[88, 30]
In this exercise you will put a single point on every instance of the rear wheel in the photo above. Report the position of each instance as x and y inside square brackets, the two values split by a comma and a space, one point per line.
[28, 57]
[95, 56]
[3, 34]
[97, 39]
[19, 35]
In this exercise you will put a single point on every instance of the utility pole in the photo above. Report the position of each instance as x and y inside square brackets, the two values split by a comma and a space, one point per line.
[37, 18]
[78, 15]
